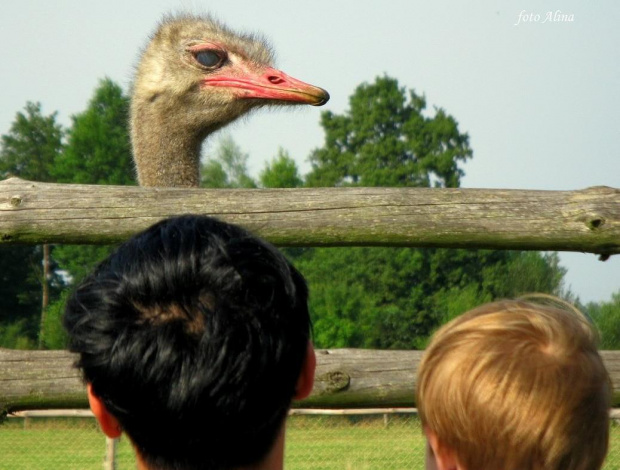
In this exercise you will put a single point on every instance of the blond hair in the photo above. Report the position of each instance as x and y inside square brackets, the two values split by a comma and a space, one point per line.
[516, 385]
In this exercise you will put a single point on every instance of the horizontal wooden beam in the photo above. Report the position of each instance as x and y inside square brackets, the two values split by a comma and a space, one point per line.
[586, 220]
[345, 378]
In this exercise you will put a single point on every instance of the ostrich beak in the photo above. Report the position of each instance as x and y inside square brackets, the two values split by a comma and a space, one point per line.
[268, 84]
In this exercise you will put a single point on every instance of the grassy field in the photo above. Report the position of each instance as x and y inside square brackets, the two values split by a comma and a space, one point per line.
[317, 443]
[355, 443]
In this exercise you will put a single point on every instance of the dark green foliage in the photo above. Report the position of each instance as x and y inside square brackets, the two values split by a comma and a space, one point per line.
[387, 138]
[523, 273]
[606, 316]
[281, 172]
[501, 275]
[28, 151]
[20, 294]
[14, 335]
[395, 297]
[78, 260]
[98, 150]
[53, 335]
[31, 146]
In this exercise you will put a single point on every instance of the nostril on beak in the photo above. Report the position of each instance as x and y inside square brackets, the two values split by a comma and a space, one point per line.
[275, 79]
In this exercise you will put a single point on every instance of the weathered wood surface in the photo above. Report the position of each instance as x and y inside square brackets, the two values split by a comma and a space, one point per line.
[587, 220]
[38, 380]
[345, 378]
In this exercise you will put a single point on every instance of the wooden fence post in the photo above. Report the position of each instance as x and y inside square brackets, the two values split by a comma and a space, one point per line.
[109, 461]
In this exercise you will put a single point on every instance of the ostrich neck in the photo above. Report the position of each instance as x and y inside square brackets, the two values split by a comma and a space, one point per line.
[166, 151]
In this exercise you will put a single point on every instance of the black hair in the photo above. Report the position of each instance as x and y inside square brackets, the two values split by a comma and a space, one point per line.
[193, 334]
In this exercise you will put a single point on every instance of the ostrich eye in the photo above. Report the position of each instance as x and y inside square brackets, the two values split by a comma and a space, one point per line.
[208, 58]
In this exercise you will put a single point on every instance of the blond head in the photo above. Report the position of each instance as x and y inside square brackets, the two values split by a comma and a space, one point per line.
[517, 385]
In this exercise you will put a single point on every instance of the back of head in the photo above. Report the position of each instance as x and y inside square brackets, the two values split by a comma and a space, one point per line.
[516, 385]
[193, 334]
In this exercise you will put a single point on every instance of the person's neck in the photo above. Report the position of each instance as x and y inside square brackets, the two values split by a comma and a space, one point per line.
[273, 461]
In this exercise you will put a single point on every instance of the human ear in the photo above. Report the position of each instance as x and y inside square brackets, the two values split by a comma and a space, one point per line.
[108, 423]
[443, 457]
[305, 382]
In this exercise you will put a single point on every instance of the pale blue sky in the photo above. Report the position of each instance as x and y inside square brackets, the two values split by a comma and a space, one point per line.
[540, 100]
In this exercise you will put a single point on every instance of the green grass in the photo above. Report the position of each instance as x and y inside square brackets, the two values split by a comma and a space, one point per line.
[313, 443]
[59, 443]
[613, 456]
[321, 443]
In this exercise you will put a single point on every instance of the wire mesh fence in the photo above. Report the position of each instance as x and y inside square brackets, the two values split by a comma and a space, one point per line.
[342, 441]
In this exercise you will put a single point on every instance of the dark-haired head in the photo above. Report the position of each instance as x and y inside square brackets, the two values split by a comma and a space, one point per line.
[193, 335]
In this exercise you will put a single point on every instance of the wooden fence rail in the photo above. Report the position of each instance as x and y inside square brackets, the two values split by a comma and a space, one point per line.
[345, 378]
[586, 220]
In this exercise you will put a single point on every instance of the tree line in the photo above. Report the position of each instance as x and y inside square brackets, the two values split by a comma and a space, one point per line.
[366, 297]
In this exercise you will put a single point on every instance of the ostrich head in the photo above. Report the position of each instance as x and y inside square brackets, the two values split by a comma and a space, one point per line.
[194, 77]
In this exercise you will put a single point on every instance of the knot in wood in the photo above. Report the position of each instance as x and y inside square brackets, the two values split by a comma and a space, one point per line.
[336, 381]
[595, 222]
[15, 201]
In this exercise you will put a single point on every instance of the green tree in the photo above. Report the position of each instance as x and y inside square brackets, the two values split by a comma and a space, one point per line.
[512, 274]
[98, 149]
[20, 295]
[28, 151]
[14, 336]
[606, 316]
[386, 138]
[228, 168]
[31, 146]
[281, 172]
[54, 335]
[395, 297]
[525, 272]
